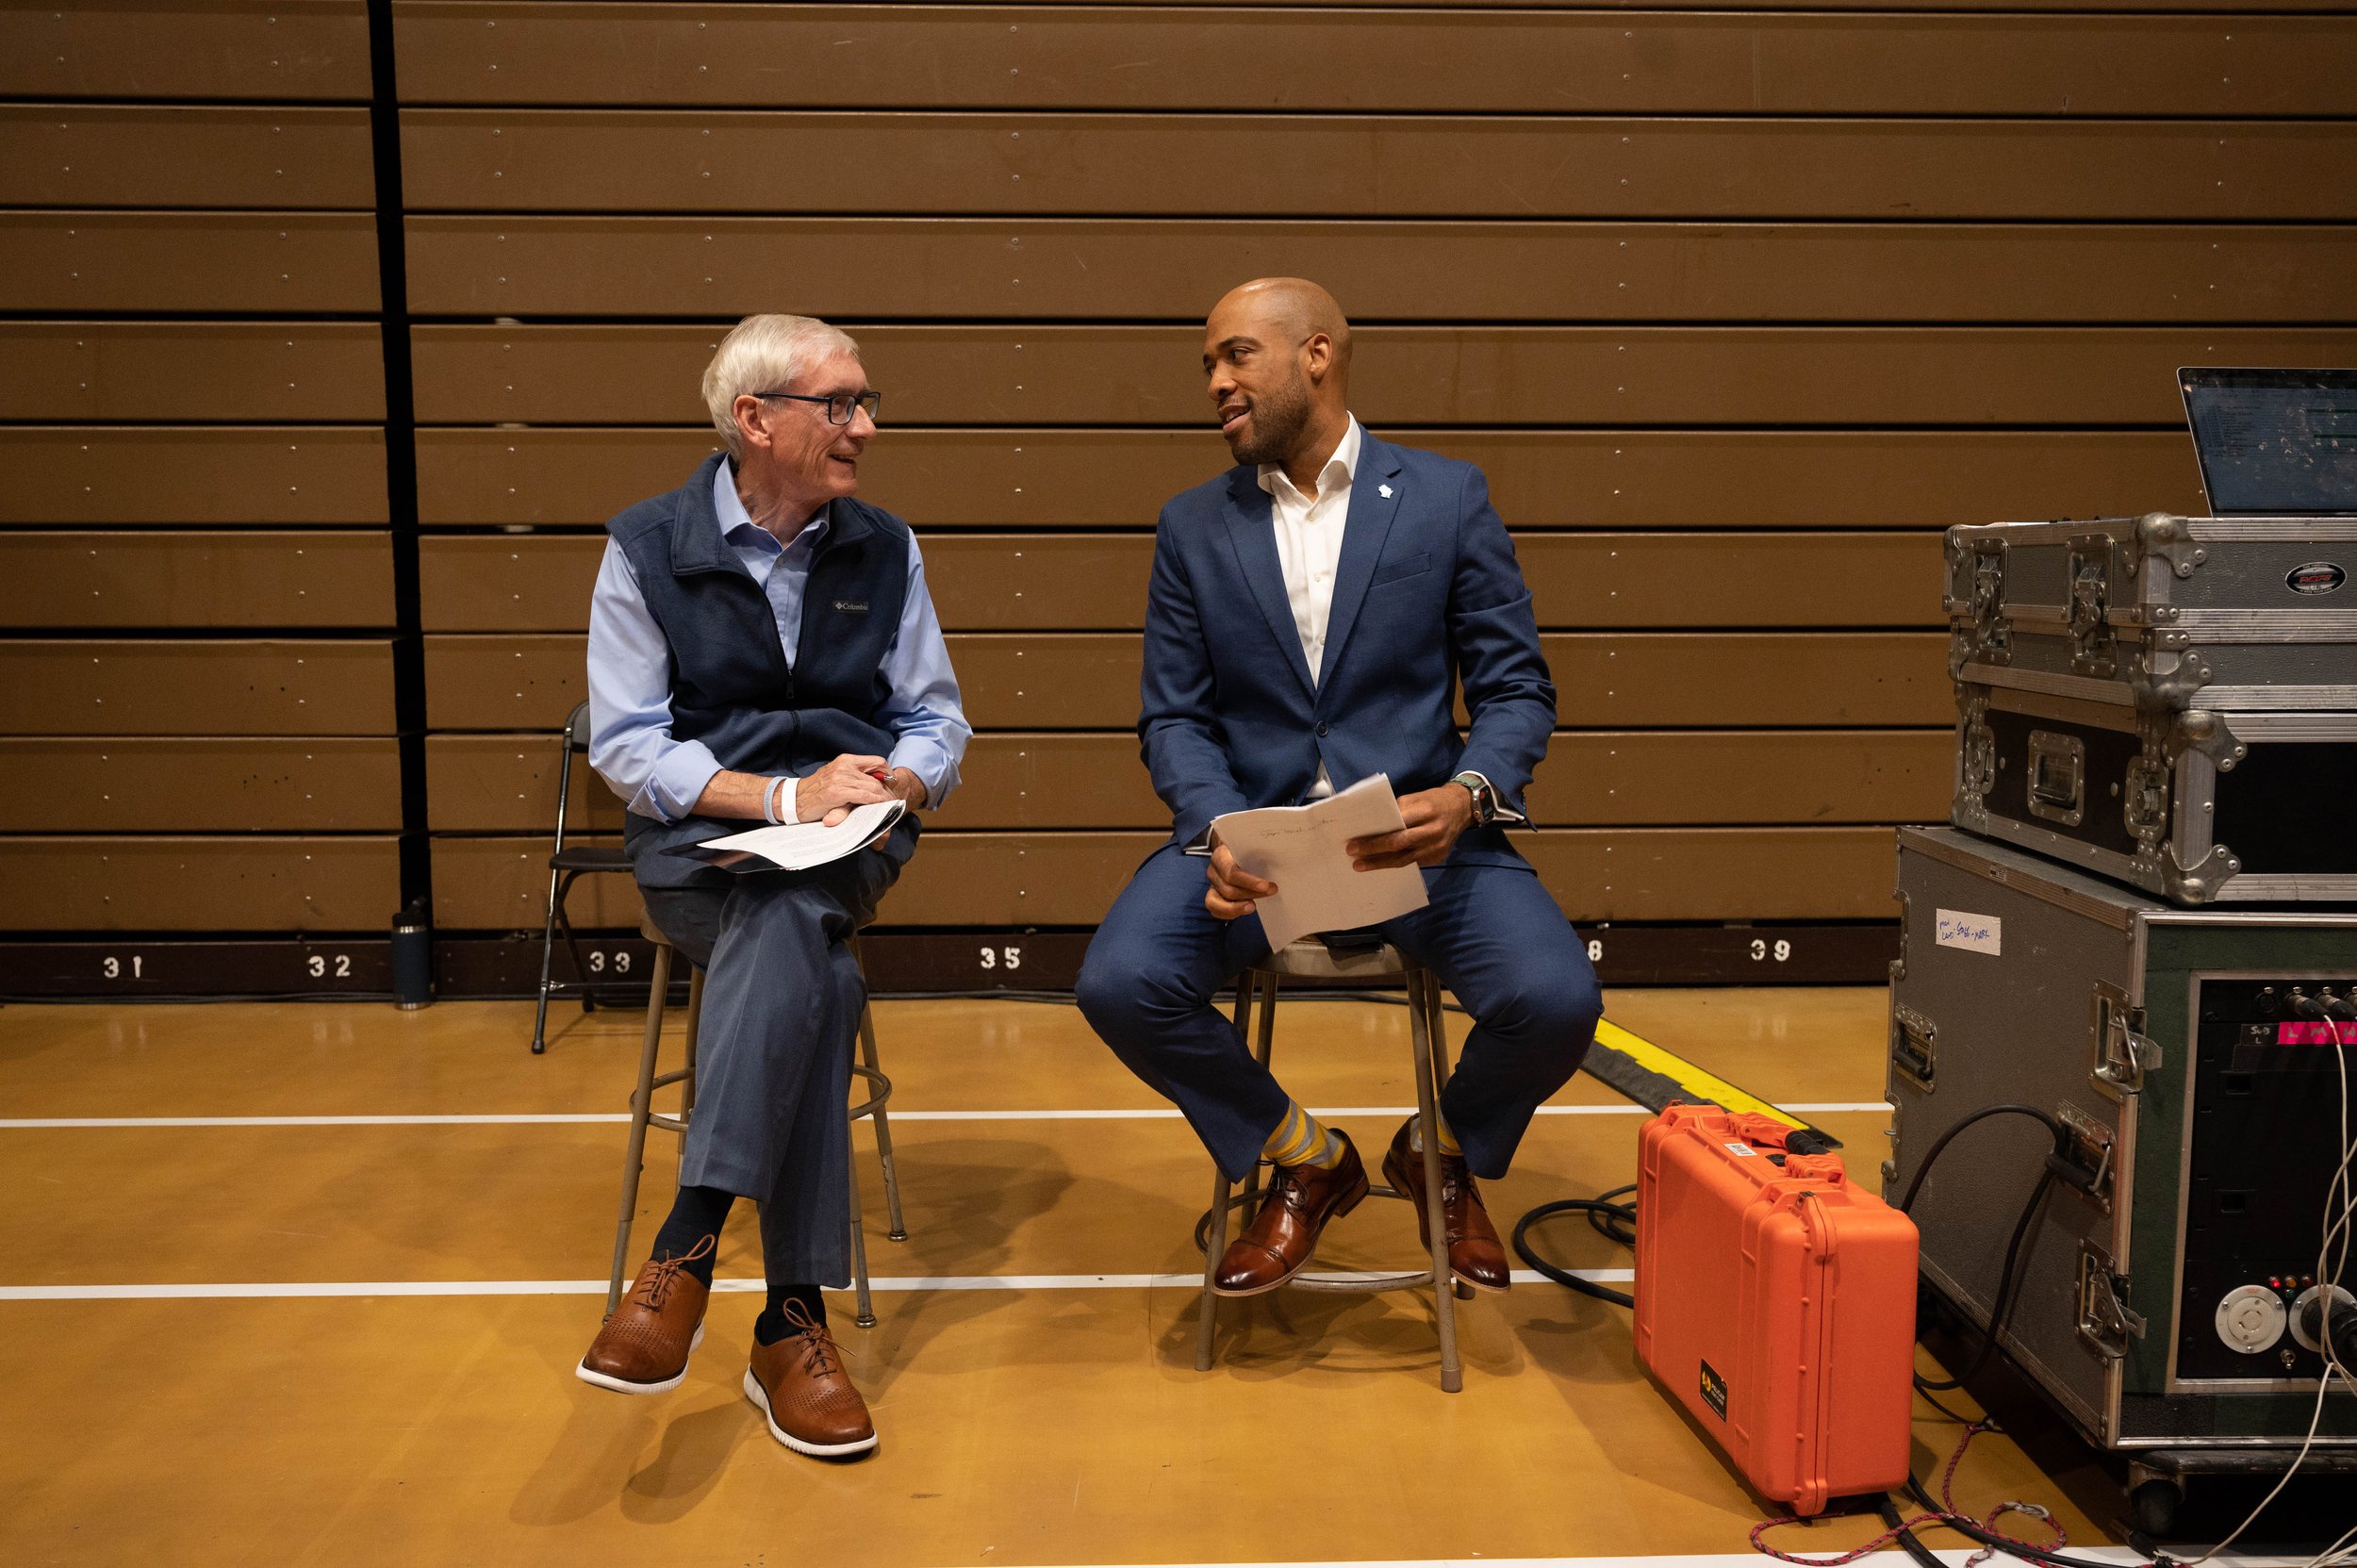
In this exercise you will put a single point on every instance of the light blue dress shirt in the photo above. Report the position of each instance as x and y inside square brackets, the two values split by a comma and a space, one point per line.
[629, 671]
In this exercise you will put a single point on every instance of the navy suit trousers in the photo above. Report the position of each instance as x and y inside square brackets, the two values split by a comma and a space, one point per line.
[1490, 934]
[783, 996]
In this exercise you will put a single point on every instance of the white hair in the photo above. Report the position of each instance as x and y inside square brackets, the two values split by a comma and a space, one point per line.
[764, 353]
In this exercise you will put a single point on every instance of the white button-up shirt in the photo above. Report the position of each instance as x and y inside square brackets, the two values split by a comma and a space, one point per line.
[1309, 551]
[1310, 540]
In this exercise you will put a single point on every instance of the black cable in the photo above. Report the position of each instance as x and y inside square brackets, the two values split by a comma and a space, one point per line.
[1914, 1548]
[2002, 1304]
[1601, 1214]
[1941, 1143]
[1966, 1528]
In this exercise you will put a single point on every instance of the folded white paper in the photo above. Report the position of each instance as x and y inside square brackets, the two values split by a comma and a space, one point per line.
[797, 846]
[1300, 850]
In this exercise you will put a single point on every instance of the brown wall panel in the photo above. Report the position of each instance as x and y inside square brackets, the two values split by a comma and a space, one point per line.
[1621, 874]
[1360, 166]
[84, 155]
[1397, 61]
[166, 687]
[184, 474]
[154, 582]
[1089, 681]
[49, 885]
[114, 784]
[1626, 777]
[508, 783]
[1064, 268]
[1678, 777]
[1014, 581]
[503, 682]
[1031, 780]
[510, 582]
[1718, 873]
[1859, 579]
[152, 370]
[989, 878]
[1038, 374]
[1618, 680]
[220, 49]
[503, 884]
[1034, 780]
[1538, 479]
[84, 261]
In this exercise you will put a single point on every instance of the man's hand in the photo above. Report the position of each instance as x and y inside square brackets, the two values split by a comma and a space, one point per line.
[1233, 888]
[828, 795]
[1434, 818]
[905, 784]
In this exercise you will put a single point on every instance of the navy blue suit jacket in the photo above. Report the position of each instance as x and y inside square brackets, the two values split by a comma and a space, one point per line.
[1427, 595]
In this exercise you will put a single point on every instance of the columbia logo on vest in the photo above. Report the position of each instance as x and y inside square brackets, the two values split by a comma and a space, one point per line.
[860, 605]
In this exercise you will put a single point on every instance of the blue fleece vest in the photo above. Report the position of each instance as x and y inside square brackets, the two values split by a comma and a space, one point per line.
[731, 688]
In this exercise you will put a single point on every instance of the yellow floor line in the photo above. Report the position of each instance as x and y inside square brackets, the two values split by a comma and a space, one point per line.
[1685, 1075]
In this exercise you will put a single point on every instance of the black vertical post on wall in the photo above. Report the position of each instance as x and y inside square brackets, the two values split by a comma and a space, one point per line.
[413, 923]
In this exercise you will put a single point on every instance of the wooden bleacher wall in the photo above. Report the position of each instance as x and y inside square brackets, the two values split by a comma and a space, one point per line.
[1737, 309]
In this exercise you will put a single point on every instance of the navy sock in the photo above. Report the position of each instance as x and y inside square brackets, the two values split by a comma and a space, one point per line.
[697, 1212]
[771, 1326]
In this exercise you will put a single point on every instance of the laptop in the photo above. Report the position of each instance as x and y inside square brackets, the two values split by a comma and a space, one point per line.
[2274, 442]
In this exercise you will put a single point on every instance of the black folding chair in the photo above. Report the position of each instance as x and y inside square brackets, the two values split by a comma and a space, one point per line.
[566, 867]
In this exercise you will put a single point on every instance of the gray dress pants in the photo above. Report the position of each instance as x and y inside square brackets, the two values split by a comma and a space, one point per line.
[782, 1003]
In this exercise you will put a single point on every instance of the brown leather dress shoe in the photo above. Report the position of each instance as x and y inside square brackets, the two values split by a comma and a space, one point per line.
[1278, 1244]
[1475, 1253]
[801, 1390]
[643, 1347]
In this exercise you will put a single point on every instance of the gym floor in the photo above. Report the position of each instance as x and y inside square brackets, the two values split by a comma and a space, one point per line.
[307, 1283]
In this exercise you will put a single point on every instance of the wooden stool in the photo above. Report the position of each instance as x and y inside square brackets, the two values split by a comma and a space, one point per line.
[1310, 959]
[643, 1115]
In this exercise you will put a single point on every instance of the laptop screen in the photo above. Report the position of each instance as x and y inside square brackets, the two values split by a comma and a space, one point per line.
[2274, 441]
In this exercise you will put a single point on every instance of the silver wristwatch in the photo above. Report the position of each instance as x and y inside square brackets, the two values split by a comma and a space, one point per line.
[1485, 798]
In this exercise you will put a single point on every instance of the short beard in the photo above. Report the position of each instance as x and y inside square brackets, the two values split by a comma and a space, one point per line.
[1278, 418]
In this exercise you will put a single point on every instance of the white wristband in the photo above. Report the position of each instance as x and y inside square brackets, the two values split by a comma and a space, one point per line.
[769, 802]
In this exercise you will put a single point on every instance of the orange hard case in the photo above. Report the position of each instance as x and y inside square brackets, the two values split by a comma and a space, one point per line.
[1776, 1302]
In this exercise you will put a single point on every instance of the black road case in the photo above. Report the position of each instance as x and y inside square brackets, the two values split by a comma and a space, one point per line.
[2168, 701]
[2188, 1055]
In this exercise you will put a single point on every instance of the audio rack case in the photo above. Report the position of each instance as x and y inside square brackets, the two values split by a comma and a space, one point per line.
[2203, 1142]
[2166, 699]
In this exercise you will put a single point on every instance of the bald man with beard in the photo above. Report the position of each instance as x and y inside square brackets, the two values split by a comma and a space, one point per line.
[1309, 616]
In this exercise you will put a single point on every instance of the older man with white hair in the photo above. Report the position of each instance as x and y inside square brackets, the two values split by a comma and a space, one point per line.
[762, 647]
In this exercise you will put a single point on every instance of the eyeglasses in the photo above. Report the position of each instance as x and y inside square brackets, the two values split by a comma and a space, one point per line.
[839, 406]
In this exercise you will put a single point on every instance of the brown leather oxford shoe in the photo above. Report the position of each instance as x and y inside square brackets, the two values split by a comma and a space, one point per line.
[801, 1390]
[1278, 1243]
[644, 1346]
[1475, 1253]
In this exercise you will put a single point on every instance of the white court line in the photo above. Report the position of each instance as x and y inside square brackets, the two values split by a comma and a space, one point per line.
[1955, 1556]
[524, 1118]
[882, 1282]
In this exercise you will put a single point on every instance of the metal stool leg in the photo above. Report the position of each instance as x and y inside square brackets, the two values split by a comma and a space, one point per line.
[899, 1231]
[1215, 1236]
[548, 950]
[687, 1079]
[1423, 992]
[641, 1105]
[867, 1318]
[1264, 1047]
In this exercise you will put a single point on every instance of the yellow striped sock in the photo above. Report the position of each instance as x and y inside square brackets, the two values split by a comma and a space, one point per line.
[1448, 1139]
[1300, 1139]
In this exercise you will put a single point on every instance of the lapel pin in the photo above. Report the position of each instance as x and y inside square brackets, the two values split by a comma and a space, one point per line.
[1384, 490]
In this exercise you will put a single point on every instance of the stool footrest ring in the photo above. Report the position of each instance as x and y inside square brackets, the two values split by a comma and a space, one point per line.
[876, 1102]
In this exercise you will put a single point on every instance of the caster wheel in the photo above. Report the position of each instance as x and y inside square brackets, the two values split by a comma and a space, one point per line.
[2152, 1506]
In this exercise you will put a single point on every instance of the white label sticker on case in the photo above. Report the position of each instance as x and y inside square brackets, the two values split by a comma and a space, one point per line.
[1743, 1148]
[1980, 934]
